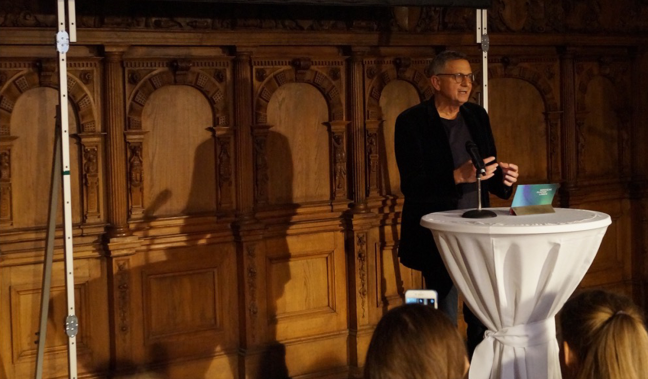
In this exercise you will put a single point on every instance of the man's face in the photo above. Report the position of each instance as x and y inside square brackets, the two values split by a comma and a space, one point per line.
[447, 87]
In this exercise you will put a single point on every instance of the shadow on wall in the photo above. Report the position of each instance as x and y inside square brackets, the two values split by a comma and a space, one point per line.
[272, 362]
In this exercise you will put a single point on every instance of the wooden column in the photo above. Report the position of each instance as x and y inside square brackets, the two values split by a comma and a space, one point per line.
[114, 122]
[248, 232]
[121, 245]
[362, 283]
[568, 132]
[357, 116]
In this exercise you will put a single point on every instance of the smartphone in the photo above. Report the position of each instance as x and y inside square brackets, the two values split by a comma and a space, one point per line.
[425, 297]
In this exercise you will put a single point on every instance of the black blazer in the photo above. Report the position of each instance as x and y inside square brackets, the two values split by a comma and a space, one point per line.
[424, 159]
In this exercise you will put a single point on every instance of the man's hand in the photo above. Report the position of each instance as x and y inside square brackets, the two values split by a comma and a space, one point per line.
[509, 173]
[467, 173]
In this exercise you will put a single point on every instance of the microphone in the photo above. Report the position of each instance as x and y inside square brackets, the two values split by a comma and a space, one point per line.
[477, 161]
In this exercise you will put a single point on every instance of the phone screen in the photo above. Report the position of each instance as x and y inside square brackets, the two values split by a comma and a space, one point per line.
[413, 300]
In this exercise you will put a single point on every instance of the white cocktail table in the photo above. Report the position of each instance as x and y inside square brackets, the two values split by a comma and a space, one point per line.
[515, 273]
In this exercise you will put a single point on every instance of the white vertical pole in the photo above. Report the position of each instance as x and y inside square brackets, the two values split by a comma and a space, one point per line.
[482, 37]
[71, 321]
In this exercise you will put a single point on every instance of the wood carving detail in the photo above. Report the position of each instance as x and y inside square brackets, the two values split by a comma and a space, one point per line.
[5, 187]
[123, 295]
[512, 68]
[373, 159]
[208, 77]
[45, 74]
[251, 271]
[303, 71]
[552, 120]
[361, 257]
[225, 172]
[260, 169]
[91, 187]
[135, 179]
[580, 142]
[407, 69]
[505, 16]
[340, 162]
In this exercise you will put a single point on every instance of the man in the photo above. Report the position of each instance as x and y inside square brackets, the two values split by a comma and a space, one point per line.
[437, 173]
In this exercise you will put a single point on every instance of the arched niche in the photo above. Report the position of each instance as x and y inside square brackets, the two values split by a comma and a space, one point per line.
[178, 153]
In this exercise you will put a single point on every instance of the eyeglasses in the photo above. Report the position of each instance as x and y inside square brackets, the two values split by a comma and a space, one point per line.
[459, 78]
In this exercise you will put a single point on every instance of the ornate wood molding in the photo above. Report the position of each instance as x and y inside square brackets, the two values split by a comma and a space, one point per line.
[373, 157]
[91, 148]
[136, 174]
[6, 204]
[552, 120]
[361, 256]
[144, 77]
[511, 68]
[260, 137]
[225, 173]
[322, 74]
[381, 71]
[338, 158]
[122, 281]
[251, 281]
[19, 77]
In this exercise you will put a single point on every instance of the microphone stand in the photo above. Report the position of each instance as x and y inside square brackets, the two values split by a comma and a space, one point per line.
[479, 212]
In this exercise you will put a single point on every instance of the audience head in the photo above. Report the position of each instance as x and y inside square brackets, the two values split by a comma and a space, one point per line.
[415, 341]
[604, 336]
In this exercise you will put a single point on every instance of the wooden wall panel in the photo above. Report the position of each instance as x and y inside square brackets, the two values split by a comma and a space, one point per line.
[298, 146]
[178, 149]
[306, 290]
[612, 265]
[185, 295]
[600, 132]
[21, 302]
[397, 96]
[518, 121]
[33, 124]
[240, 218]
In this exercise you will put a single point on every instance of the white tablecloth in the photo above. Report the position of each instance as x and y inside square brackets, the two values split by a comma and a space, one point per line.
[515, 273]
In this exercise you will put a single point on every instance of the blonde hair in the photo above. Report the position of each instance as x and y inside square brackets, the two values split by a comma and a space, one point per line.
[607, 333]
[415, 341]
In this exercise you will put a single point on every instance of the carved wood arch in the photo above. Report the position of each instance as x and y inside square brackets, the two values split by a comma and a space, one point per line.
[394, 69]
[300, 72]
[586, 78]
[318, 79]
[212, 87]
[44, 74]
[196, 78]
[537, 80]
[78, 95]
[379, 81]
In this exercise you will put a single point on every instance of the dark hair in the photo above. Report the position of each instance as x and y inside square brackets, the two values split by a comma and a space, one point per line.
[439, 62]
[607, 334]
[415, 341]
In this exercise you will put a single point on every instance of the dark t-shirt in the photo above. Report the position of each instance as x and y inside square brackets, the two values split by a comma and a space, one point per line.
[458, 135]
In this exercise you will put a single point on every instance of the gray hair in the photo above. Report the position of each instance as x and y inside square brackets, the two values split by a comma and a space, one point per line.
[439, 62]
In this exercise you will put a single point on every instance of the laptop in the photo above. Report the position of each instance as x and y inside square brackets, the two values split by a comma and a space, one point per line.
[533, 199]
